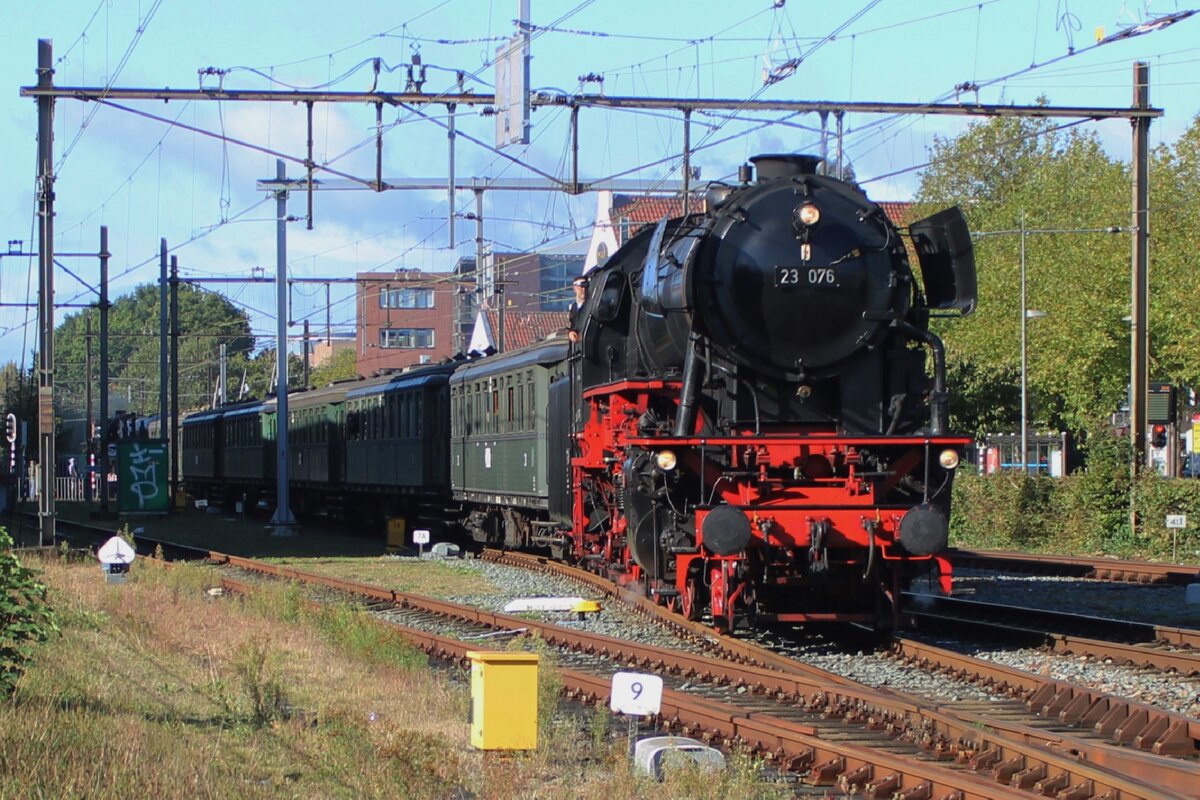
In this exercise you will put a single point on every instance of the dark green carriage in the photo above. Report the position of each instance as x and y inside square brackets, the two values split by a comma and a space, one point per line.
[247, 451]
[201, 447]
[315, 451]
[498, 427]
[397, 432]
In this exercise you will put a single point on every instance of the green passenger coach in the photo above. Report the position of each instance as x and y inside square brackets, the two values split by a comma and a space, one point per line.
[498, 439]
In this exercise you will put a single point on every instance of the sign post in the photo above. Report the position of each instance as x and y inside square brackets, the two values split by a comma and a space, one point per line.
[420, 539]
[635, 694]
[1175, 523]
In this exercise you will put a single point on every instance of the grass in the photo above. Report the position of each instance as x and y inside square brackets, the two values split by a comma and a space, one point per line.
[157, 689]
[431, 578]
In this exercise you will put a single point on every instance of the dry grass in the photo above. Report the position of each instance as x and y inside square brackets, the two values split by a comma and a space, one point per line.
[431, 578]
[157, 690]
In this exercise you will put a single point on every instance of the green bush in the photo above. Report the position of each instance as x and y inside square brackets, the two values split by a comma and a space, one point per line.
[25, 616]
[1085, 512]
[1008, 510]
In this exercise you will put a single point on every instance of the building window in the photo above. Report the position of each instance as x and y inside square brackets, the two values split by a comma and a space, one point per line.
[406, 298]
[407, 338]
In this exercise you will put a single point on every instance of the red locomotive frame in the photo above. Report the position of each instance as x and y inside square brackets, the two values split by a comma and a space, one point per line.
[840, 517]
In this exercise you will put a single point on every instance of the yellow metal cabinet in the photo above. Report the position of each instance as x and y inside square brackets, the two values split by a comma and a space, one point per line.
[395, 534]
[503, 700]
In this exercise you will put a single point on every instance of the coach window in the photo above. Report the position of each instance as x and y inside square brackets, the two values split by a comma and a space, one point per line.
[513, 421]
[477, 411]
[521, 407]
[473, 409]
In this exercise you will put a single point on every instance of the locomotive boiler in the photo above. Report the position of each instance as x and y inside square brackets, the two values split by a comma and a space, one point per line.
[760, 408]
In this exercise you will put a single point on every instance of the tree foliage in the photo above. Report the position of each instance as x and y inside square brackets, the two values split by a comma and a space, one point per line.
[25, 616]
[207, 321]
[1069, 192]
[1174, 277]
[341, 366]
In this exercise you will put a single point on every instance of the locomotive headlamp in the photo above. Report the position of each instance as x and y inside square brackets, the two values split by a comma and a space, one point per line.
[948, 459]
[665, 460]
[808, 214]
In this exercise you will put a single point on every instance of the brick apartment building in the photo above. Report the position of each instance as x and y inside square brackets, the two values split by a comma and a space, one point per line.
[405, 317]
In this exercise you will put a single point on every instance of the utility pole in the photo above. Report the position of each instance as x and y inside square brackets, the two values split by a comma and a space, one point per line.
[45, 199]
[1139, 289]
[162, 333]
[305, 354]
[282, 521]
[224, 395]
[687, 161]
[328, 318]
[498, 266]
[87, 403]
[104, 461]
[173, 434]
[451, 136]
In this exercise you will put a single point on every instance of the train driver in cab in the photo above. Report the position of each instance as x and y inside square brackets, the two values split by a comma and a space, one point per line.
[580, 285]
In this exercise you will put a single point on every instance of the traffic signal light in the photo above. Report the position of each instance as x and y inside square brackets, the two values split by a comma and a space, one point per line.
[10, 427]
[1158, 436]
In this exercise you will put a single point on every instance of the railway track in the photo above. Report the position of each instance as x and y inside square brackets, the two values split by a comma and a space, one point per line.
[1105, 569]
[836, 733]
[831, 730]
[1123, 642]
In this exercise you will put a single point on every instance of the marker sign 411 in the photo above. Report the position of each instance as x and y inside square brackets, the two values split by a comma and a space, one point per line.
[636, 694]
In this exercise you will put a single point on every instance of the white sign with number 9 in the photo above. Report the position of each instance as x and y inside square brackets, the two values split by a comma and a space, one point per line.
[636, 694]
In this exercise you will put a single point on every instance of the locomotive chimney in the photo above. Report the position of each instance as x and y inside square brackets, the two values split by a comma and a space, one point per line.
[784, 165]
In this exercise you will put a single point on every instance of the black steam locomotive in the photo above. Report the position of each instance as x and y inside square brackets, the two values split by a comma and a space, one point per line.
[747, 427]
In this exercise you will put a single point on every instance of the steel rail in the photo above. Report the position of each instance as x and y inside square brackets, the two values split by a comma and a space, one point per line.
[1105, 569]
[1019, 619]
[1183, 662]
[1122, 721]
[1159, 731]
[971, 738]
[1007, 751]
[1039, 763]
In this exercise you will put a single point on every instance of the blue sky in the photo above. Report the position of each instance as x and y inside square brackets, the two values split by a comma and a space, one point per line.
[146, 180]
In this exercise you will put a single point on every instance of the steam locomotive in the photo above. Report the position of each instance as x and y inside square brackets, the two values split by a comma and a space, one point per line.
[746, 429]
[757, 431]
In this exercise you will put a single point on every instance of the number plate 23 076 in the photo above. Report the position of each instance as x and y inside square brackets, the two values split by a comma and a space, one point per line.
[788, 277]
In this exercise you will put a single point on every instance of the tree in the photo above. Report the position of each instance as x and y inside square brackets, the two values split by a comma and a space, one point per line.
[1005, 169]
[1174, 277]
[207, 320]
[341, 366]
